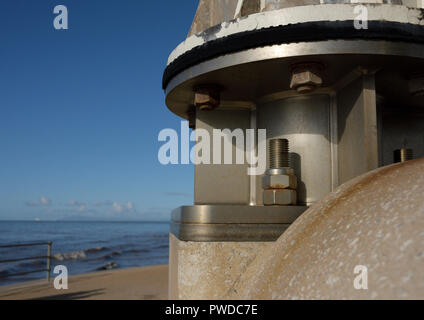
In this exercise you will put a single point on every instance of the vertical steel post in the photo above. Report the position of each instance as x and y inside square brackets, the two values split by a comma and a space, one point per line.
[49, 252]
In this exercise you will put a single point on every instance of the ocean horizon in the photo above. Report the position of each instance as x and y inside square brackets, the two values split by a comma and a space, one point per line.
[82, 246]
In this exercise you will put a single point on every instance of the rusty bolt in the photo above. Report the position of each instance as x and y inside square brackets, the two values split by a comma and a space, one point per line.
[403, 155]
[283, 181]
[306, 77]
[279, 183]
[280, 197]
[207, 97]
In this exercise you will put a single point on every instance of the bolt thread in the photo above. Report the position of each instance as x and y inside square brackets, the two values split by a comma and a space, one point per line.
[279, 153]
[403, 155]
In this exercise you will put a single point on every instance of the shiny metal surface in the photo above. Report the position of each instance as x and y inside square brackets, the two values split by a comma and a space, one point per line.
[232, 223]
[279, 171]
[305, 122]
[223, 214]
[228, 232]
[253, 72]
[217, 183]
[279, 197]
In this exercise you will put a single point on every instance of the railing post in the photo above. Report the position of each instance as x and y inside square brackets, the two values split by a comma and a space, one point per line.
[49, 257]
[49, 253]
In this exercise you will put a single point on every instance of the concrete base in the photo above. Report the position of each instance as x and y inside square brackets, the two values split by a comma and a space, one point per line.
[208, 270]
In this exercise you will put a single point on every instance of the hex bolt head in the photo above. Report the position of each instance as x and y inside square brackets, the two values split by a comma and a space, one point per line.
[279, 182]
[306, 77]
[207, 97]
[280, 197]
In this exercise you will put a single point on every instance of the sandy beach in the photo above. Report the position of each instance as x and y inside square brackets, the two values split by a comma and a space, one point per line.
[144, 283]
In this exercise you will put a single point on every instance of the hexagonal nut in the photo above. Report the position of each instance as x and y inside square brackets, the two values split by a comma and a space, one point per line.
[286, 181]
[305, 81]
[280, 197]
[206, 98]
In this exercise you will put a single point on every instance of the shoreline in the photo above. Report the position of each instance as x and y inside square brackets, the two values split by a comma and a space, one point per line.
[140, 283]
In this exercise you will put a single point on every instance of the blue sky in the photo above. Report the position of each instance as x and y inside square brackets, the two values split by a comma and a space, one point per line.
[81, 109]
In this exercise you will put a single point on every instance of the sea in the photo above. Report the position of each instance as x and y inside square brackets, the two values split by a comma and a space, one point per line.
[81, 246]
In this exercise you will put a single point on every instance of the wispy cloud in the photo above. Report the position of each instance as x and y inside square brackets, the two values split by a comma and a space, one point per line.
[74, 203]
[43, 202]
[81, 206]
[123, 207]
[112, 206]
[77, 209]
[72, 211]
[106, 203]
[178, 194]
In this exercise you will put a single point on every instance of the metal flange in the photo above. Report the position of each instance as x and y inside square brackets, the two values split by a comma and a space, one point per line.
[209, 223]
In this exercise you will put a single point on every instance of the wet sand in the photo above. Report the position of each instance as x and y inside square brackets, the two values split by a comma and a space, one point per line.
[144, 283]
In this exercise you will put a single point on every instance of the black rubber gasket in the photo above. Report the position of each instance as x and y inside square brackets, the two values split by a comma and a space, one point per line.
[301, 32]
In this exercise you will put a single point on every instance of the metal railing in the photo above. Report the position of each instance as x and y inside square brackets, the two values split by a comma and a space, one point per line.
[33, 244]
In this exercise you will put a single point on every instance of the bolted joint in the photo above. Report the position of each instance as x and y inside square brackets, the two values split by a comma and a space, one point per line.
[306, 77]
[280, 197]
[403, 155]
[207, 97]
[279, 182]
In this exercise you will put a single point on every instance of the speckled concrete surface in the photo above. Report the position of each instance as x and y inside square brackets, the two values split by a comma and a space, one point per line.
[207, 270]
[376, 220]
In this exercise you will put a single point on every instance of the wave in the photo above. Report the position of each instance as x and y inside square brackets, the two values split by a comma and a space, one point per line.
[160, 236]
[76, 255]
[109, 266]
[96, 249]
[109, 255]
[31, 264]
[3, 273]
[23, 267]
[137, 251]
[165, 246]
[82, 247]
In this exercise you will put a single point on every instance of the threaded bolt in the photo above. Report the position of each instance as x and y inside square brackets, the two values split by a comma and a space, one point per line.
[403, 155]
[279, 153]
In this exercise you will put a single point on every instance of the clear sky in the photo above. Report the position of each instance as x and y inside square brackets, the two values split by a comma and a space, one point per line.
[81, 109]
